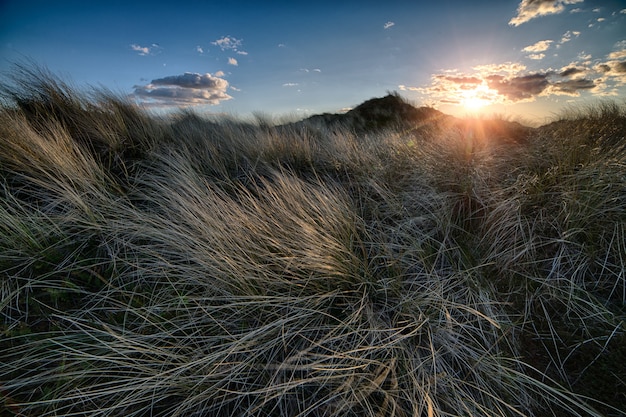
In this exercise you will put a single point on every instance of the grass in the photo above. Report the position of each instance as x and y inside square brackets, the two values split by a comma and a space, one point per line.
[195, 267]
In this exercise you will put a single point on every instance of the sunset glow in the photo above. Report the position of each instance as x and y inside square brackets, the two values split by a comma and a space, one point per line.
[477, 98]
[517, 57]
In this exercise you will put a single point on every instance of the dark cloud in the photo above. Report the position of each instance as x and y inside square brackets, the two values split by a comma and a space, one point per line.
[518, 88]
[570, 71]
[572, 87]
[186, 89]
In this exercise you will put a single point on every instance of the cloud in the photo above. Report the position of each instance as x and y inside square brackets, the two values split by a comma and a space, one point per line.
[569, 71]
[227, 43]
[620, 67]
[507, 67]
[290, 84]
[242, 53]
[614, 69]
[618, 54]
[567, 36]
[461, 80]
[183, 90]
[519, 88]
[537, 56]
[232, 61]
[509, 82]
[146, 50]
[199, 49]
[538, 46]
[572, 87]
[530, 9]
[388, 25]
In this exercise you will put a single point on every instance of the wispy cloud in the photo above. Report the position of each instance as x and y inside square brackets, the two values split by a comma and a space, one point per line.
[388, 25]
[290, 84]
[567, 36]
[183, 90]
[232, 61]
[146, 50]
[536, 56]
[530, 9]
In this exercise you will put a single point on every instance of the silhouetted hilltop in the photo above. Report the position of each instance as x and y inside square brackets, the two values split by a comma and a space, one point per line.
[393, 112]
[377, 114]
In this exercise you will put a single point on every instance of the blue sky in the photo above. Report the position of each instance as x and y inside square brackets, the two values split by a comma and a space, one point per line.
[526, 58]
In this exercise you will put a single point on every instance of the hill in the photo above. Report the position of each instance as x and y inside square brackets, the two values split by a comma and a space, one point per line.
[393, 113]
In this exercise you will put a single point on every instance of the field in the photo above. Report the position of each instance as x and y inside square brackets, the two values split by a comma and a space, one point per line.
[190, 266]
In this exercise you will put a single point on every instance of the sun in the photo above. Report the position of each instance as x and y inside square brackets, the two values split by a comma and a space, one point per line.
[476, 98]
[474, 103]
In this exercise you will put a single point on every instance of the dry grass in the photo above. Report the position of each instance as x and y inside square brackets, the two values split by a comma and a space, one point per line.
[189, 267]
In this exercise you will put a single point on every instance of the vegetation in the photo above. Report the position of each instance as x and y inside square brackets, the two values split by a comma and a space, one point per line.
[194, 267]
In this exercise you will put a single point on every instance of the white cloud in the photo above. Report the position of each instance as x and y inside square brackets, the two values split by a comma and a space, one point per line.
[242, 53]
[538, 46]
[530, 9]
[146, 50]
[388, 25]
[199, 49]
[567, 36]
[537, 56]
[290, 84]
[183, 90]
[227, 43]
[232, 61]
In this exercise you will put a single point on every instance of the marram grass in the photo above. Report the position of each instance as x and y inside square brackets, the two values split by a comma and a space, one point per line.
[189, 267]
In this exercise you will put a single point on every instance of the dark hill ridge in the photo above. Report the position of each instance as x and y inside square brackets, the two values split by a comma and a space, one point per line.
[393, 112]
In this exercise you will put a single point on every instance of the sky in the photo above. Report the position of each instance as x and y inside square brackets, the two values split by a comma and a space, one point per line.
[525, 59]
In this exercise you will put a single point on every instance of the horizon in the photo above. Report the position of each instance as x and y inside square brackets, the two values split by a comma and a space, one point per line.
[528, 60]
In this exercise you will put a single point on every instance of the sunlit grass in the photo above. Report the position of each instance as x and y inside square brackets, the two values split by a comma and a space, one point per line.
[193, 267]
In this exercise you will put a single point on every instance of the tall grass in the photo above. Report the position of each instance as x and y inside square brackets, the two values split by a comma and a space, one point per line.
[193, 267]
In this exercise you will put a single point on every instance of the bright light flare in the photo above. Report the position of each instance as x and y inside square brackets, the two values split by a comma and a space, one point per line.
[478, 97]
